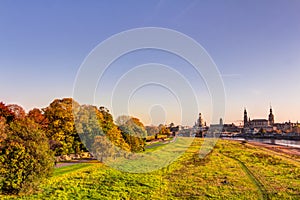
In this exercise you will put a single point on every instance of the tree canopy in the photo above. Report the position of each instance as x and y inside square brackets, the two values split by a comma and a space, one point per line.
[28, 142]
[61, 126]
[25, 156]
[133, 132]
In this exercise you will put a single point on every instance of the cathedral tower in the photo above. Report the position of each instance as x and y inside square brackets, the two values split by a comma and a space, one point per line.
[200, 121]
[245, 118]
[271, 117]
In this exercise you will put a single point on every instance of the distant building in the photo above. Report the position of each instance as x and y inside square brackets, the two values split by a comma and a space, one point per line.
[200, 121]
[199, 128]
[258, 123]
[224, 128]
[231, 128]
[296, 129]
[271, 117]
[245, 118]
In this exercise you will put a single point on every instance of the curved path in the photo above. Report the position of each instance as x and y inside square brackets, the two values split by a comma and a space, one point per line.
[255, 181]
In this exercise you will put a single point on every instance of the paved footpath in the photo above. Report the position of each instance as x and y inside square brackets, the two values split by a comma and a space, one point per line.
[73, 162]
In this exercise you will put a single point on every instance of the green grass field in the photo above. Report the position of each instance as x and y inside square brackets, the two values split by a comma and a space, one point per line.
[233, 170]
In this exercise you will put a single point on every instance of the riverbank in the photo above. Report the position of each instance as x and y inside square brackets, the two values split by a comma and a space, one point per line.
[287, 147]
[294, 151]
[271, 137]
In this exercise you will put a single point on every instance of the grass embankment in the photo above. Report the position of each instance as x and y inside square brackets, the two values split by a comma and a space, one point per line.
[231, 171]
[278, 174]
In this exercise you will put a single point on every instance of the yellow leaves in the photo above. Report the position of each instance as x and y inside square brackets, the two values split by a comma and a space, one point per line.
[61, 126]
[56, 123]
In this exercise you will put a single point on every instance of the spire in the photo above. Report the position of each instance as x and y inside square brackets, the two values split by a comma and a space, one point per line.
[271, 116]
[245, 117]
[200, 120]
[221, 121]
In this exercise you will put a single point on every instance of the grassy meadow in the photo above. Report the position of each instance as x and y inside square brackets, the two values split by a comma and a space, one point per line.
[233, 170]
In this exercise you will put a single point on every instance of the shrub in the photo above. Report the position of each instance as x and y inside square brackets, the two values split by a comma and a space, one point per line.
[25, 157]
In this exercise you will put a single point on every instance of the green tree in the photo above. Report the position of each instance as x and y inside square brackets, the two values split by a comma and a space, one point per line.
[151, 130]
[25, 157]
[96, 129]
[103, 149]
[111, 130]
[88, 124]
[133, 132]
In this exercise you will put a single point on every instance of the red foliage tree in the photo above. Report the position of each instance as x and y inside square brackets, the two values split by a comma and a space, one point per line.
[38, 117]
[6, 113]
[17, 110]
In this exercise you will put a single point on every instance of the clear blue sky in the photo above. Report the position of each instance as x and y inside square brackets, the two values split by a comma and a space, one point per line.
[255, 44]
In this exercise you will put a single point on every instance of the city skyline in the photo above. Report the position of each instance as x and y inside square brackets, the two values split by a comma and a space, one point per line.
[255, 46]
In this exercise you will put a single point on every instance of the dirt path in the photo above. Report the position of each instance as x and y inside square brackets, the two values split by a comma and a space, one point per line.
[261, 188]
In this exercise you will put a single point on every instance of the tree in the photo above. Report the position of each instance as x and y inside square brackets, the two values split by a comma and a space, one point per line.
[18, 111]
[133, 132]
[88, 124]
[103, 149]
[61, 126]
[3, 126]
[171, 125]
[134, 125]
[6, 113]
[99, 134]
[151, 130]
[25, 157]
[38, 117]
[111, 130]
[163, 130]
[138, 127]
[106, 120]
